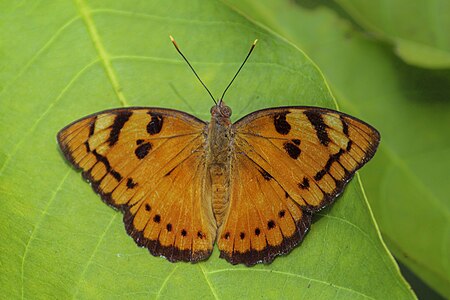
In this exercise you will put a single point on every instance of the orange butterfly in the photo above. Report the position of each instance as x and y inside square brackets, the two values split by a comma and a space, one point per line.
[252, 186]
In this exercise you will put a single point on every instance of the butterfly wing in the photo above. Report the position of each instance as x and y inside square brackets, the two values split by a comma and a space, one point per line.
[288, 163]
[149, 163]
[263, 221]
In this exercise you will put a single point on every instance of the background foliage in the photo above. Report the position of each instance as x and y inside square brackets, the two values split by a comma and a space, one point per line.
[62, 60]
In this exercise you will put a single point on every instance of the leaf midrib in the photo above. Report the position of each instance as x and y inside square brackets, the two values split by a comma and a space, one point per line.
[101, 51]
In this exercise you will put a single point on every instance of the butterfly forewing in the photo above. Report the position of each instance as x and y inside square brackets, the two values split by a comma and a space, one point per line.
[312, 152]
[150, 163]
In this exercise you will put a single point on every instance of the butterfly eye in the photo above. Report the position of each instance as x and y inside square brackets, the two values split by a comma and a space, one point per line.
[225, 111]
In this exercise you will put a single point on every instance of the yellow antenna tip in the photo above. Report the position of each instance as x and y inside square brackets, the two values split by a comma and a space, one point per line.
[173, 41]
[254, 43]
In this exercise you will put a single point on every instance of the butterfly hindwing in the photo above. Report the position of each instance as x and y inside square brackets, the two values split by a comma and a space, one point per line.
[150, 163]
[263, 221]
[293, 161]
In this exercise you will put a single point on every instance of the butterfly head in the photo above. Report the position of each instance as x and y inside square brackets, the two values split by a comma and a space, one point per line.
[221, 110]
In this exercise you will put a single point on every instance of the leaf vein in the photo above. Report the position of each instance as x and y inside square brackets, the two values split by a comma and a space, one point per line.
[171, 18]
[39, 52]
[294, 275]
[205, 274]
[94, 252]
[41, 117]
[163, 285]
[36, 227]
[101, 51]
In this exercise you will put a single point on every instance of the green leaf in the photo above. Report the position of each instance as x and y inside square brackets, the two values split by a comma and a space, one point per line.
[63, 60]
[418, 29]
[407, 180]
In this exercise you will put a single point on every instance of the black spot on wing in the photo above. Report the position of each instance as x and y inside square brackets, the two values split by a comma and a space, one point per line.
[157, 218]
[333, 158]
[319, 175]
[130, 183]
[103, 160]
[292, 149]
[92, 127]
[344, 126]
[349, 145]
[116, 175]
[120, 120]
[304, 184]
[155, 124]
[265, 174]
[281, 125]
[319, 125]
[170, 172]
[108, 168]
[142, 150]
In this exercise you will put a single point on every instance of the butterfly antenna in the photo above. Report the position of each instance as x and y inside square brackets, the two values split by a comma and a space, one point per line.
[245, 60]
[184, 57]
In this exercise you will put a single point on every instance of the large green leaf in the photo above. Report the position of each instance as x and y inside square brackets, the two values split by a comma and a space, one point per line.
[61, 61]
[407, 180]
[418, 29]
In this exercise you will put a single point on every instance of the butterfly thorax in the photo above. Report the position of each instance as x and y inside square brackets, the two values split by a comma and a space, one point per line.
[219, 159]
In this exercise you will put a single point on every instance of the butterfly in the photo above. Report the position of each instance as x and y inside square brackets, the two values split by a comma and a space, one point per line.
[250, 186]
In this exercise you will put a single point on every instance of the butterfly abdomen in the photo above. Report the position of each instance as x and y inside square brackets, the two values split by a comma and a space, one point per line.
[219, 162]
[219, 191]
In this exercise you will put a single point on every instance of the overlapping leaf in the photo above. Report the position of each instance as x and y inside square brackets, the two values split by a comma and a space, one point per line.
[418, 29]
